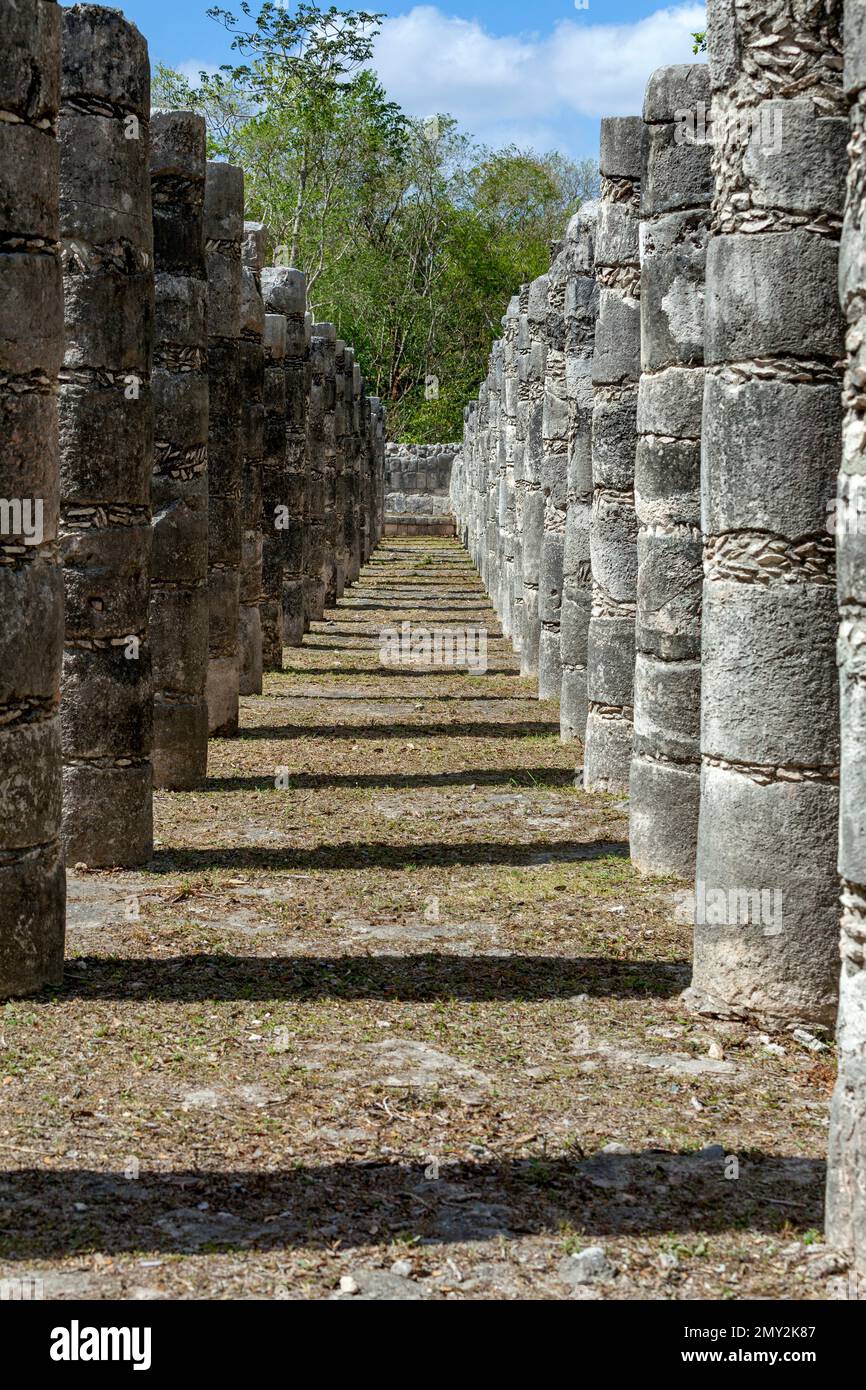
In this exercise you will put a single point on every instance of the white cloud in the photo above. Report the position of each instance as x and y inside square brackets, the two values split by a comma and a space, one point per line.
[192, 68]
[511, 86]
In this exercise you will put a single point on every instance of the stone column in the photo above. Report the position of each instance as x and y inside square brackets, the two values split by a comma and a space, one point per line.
[346, 535]
[846, 1166]
[365, 476]
[471, 495]
[333, 466]
[469, 415]
[532, 538]
[379, 473]
[455, 486]
[613, 527]
[320, 426]
[554, 477]
[106, 438]
[308, 570]
[32, 880]
[520, 484]
[479, 518]
[224, 221]
[508, 417]
[178, 585]
[353, 533]
[487, 474]
[252, 384]
[285, 291]
[495, 471]
[766, 929]
[581, 312]
[676, 189]
[461, 480]
[274, 491]
[342, 425]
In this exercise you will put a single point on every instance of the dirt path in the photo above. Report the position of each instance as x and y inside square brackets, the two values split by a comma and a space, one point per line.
[391, 1008]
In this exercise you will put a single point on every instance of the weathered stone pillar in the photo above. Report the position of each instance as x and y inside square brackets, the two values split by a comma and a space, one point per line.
[455, 485]
[178, 585]
[532, 362]
[462, 487]
[581, 312]
[498, 478]
[379, 473]
[274, 490]
[224, 221]
[308, 569]
[472, 498]
[366, 476]
[554, 477]
[32, 881]
[676, 189]
[766, 922]
[320, 434]
[613, 527]
[471, 476]
[482, 444]
[847, 1158]
[286, 515]
[106, 438]
[252, 384]
[353, 524]
[342, 427]
[495, 473]
[333, 466]
[507, 493]
[846, 1165]
[520, 482]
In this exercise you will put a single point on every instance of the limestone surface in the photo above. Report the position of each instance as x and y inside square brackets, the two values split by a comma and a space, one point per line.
[32, 879]
[774, 340]
[613, 523]
[676, 188]
[179, 483]
[224, 220]
[106, 438]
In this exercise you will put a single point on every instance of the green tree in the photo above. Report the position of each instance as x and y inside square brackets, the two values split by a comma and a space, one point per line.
[411, 235]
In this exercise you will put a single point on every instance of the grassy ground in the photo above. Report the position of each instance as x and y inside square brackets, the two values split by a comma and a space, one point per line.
[390, 1007]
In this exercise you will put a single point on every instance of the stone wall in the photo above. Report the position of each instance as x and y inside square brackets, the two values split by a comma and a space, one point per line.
[417, 483]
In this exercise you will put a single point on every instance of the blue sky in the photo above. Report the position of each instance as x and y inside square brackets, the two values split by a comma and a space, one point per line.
[537, 75]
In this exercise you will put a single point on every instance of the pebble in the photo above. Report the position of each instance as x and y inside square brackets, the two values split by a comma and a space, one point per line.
[589, 1266]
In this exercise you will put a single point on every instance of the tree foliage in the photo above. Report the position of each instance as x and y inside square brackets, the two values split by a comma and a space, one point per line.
[413, 237]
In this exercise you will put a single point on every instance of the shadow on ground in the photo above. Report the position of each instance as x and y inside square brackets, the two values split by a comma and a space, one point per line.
[416, 978]
[526, 777]
[493, 728]
[382, 855]
[350, 1203]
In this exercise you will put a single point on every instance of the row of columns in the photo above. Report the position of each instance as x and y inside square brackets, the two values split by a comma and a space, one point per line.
[697, 605]
[189, 467]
